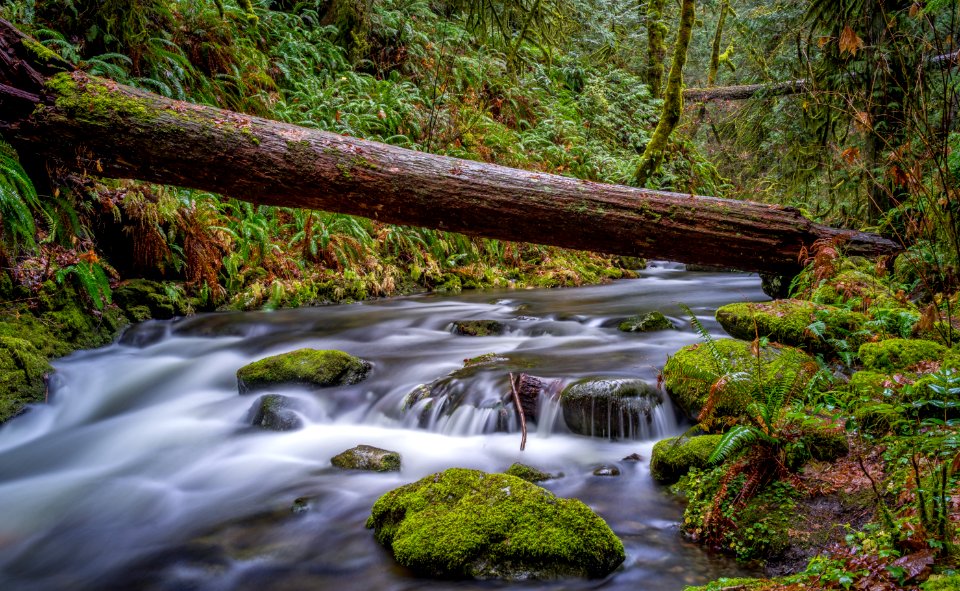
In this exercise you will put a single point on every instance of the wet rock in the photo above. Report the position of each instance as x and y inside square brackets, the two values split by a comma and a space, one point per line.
[673, 457]
[691, 373]
[634, 457]
[789, 322]
[478, 328]
[467, 524]
[276, 413]
[649, 322]
[367, 457]
[528, 473]
[607, 471]
[303, 367]
[614, 408]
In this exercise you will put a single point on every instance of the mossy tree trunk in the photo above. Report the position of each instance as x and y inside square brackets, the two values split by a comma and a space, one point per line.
[672, 97]
[656, 46]
[88, 124]
[717, 39]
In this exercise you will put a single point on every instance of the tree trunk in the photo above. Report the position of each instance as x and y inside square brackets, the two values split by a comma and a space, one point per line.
[103, 128]
[715, 49]
[672, 97]
[656, 48]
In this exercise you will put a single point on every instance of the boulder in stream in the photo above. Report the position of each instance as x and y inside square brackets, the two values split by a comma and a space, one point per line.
[478, 328]
[528, 473]
[673, 457]
[367, 457]
[303, 367]
[275, 412]
[649, 322]
[468, 524]
[613, 408]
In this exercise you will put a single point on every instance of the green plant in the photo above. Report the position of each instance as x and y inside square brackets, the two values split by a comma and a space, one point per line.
[18, 200]
[92, 277]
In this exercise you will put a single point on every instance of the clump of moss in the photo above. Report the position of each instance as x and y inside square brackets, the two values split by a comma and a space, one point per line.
[673, 457]
[528, 473]
[789, 322]
[648, 322]
[726, 584]
[468, 524]
[304, 367]
[691, 373]
[942, 583]
[899, 354]
[22, 372]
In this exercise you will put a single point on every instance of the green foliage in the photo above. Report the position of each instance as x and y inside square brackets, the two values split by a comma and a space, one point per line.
[18, 202]
[92, 278]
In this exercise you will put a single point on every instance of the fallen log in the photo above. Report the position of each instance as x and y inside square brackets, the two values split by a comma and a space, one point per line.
[97, 126]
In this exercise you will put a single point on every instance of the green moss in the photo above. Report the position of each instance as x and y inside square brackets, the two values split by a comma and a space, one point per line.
[799, 323]
[528, 473]
[942, 583]
[305, 367]
[728, 584]
[648, 322]
[691, 373]
[22, 371]
[857, 289]
[88, 99]
[899, 354]
[464, 523]
[42, 52]
[673, 457]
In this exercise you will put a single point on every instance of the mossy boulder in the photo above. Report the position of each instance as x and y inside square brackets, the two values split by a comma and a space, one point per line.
[615, 408]
[825, 441]
[528, 473]
[900, 354]
[649, 322]
[303, 367]
[276, 412]
[673, 457]
[789, 322]
[22, 371]
[367, 457]
[942, 583]
[690, 374]
[478, 328]
[468, 524]
[856, 288]
[143, 299]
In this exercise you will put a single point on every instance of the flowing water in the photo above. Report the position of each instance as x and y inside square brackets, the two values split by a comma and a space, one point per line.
[144, 472]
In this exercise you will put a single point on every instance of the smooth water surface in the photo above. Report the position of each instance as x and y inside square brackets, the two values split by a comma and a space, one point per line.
[144, 471]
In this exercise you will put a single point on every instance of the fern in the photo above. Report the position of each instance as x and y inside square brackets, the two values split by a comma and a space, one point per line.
[93, 280]
[18, 200]
[733, 441]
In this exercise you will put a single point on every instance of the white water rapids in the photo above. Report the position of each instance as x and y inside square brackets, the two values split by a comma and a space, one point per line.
[143, 472]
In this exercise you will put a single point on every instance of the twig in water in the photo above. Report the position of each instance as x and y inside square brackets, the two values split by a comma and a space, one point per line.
[523, 417]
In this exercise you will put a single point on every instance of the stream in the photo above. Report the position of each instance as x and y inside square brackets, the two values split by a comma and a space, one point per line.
[144, 471]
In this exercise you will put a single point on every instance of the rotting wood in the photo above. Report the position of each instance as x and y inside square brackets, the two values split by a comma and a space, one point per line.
[100, 127]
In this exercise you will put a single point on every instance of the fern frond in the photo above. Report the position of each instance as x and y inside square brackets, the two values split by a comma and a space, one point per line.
[737, 438]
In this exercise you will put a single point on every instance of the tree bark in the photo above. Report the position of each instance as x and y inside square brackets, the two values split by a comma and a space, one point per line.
[100, 127]
[656, 48]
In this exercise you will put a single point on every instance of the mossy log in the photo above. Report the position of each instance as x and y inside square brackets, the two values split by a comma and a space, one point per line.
[81, 122]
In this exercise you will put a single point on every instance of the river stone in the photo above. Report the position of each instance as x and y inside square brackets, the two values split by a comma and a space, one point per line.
[672, 458]
[478, 328]
[607, 471]
[608, 407]
[649, 322]
[143, 299]
[275, 413]
[367, 457]
[303, 367]
[468, 524]
[691, 373]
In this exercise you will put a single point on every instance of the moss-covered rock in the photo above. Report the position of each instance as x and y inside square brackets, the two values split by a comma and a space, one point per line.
[22, 371]
[799, 323]
[478, 328]
[367, 457]
[673, 457]
[825, 441]
[649, 322]
[467, 524]
[614, 408]
[690, 374]
[275, 412]
[137, 295]
[899, 354]
[942, 583]
[856, 288]
[303, 367]
[528, 473]
[740, 584]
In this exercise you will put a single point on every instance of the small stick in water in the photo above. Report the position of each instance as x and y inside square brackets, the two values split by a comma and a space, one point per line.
[523, 418]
